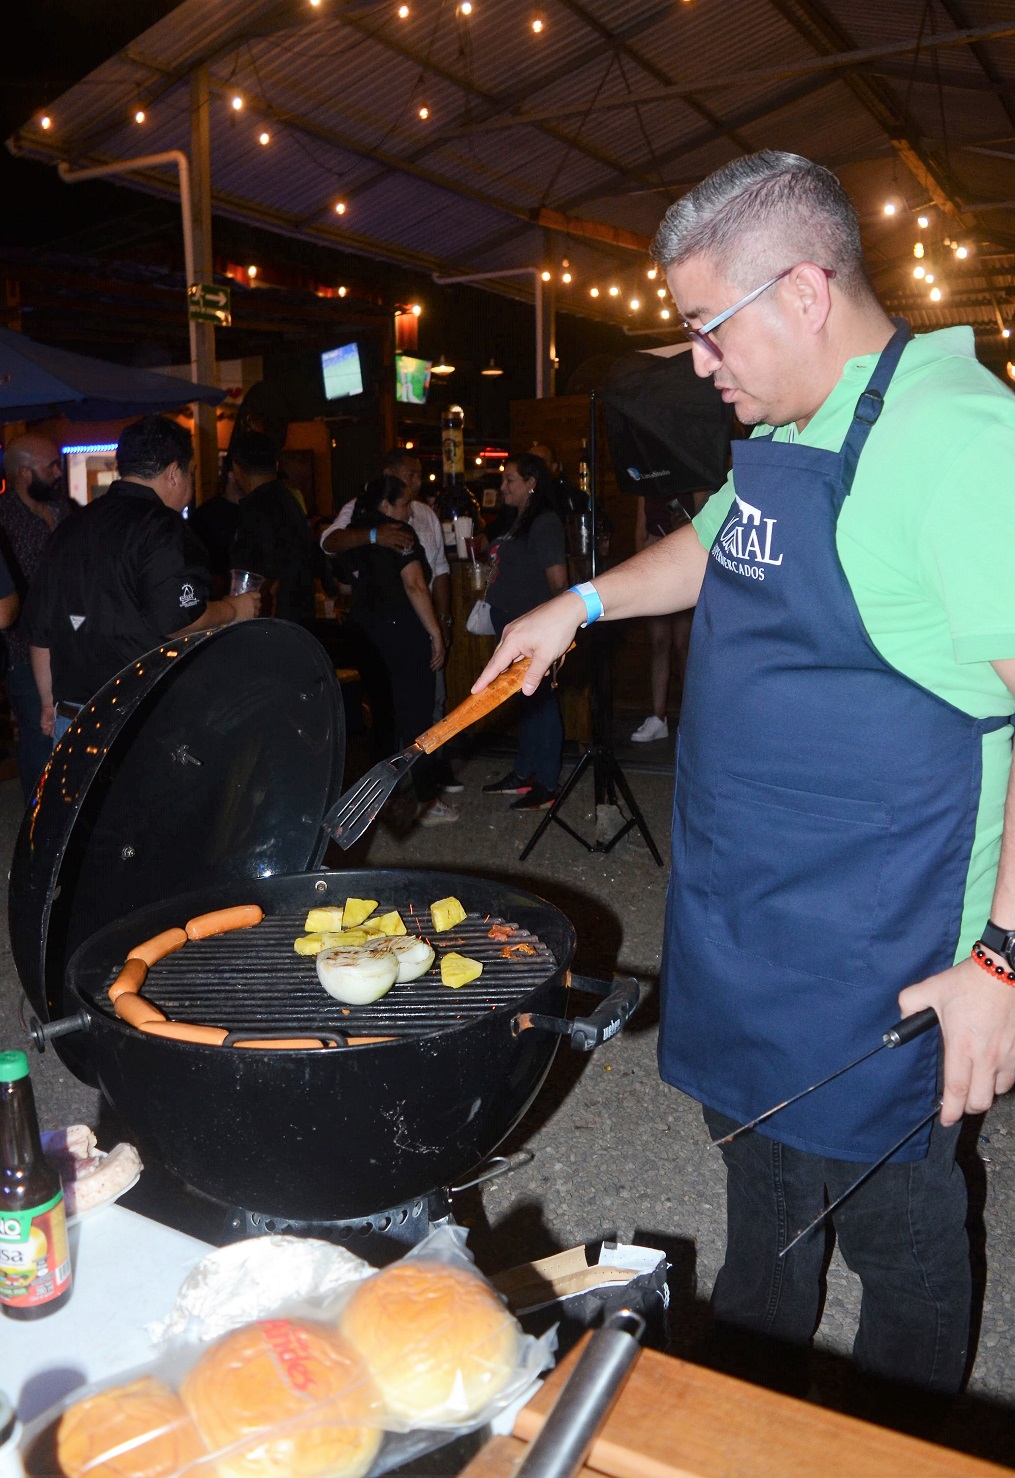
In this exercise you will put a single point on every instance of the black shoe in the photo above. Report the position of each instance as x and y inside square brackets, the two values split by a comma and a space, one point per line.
[511, 784]
[537, 799]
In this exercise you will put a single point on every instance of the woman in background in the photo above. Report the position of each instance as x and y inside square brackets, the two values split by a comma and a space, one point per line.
[394, 615]
[529, 566]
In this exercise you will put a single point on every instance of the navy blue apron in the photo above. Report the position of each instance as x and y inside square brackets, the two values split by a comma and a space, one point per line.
[823, 822]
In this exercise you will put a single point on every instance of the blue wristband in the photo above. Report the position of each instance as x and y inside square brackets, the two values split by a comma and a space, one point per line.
[373, 536]
[593, 605]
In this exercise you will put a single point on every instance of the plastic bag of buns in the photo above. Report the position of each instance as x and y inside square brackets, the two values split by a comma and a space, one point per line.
[361, 1380]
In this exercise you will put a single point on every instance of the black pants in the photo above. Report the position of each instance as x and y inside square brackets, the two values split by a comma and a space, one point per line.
[903, 1233]
[394, 658]
[540, 727]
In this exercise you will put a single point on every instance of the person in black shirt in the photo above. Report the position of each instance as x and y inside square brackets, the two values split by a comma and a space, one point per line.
[122, 576]
[215, 523]
[401, 636]
[272, 534]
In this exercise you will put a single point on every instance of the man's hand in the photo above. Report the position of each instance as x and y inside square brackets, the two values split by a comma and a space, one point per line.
[47, 719]
[247, 605]
[977, 1017]
[396, 536]
[543, 635]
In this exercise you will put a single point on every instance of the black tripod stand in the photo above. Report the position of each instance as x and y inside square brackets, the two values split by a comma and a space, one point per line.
[608, 777]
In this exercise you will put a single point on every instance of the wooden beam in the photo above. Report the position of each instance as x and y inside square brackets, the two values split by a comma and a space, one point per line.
[555, 220]
[924, 174]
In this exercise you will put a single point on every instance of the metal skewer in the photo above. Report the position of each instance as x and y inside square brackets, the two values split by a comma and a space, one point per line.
[860, 1180]
[903, 1031]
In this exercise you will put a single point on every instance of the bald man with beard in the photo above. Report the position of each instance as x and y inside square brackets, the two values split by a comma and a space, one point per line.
[33, 503]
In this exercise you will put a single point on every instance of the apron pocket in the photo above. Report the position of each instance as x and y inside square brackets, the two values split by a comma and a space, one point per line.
[796, 877]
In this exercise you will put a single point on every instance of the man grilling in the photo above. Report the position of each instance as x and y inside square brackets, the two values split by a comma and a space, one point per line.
[843, 759]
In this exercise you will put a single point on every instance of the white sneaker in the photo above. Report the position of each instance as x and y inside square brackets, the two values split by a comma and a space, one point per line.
[652, 728]
[438, 813]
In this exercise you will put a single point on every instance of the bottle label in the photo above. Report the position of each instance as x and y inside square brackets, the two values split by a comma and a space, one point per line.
[34, 1255]
[453, 451]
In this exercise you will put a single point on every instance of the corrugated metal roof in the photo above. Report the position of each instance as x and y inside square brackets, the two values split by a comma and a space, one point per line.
[339, 90]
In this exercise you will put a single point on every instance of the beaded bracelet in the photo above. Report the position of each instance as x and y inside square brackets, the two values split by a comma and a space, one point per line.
[998, 971]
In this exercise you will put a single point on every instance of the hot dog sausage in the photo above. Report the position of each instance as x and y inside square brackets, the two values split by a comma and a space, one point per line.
[155, 949]
[135, 1010]
[186, 1031]
[222, 920]
[130, 979]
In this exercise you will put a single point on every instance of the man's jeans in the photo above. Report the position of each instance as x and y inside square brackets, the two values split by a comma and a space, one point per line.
[34, 747]
[903, 1233]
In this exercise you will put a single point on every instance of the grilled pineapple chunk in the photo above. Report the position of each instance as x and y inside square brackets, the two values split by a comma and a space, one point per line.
[320, 919]
[446, 913]
[457, 970]
[312, 944]
[356, 910]
[385, 925]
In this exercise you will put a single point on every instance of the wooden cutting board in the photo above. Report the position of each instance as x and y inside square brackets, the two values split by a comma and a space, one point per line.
[675, 1420]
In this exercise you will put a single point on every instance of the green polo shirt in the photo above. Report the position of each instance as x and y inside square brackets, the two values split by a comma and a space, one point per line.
[923, 540]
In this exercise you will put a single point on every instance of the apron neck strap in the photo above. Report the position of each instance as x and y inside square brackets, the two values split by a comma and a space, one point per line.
[872, 401]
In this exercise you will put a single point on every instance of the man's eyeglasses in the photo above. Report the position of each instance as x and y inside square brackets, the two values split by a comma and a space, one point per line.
[701, 336]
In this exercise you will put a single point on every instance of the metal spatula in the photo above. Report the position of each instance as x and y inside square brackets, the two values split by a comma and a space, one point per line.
[353, 812]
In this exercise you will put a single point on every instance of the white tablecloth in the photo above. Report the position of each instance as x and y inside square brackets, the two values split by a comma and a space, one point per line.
[127, 1270]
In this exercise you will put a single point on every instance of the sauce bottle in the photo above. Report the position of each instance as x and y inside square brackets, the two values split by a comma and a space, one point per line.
[35, 1270]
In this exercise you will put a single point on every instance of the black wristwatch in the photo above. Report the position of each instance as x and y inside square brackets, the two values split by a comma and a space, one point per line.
[1000, 941]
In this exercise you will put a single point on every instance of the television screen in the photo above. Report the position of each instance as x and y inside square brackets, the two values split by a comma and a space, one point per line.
[412, 379]
[342, 373]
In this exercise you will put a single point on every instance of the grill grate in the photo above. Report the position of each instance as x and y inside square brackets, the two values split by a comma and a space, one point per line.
[252, 979]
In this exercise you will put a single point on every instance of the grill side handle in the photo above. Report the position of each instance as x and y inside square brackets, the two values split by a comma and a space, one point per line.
[586, 1033]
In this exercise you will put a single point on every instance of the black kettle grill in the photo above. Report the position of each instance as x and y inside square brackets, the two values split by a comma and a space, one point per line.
[198, 778]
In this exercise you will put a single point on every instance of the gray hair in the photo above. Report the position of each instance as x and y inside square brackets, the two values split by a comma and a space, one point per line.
[762, 213]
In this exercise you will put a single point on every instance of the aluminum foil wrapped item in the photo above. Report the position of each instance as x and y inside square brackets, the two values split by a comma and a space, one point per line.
[248, 1280]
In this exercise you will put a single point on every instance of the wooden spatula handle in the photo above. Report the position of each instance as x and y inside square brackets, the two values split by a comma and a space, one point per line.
[475, 707]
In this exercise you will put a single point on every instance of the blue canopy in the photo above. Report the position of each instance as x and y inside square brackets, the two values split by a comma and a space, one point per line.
[37, 381]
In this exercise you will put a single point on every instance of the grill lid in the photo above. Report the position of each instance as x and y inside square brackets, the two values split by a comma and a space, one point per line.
[212, 759]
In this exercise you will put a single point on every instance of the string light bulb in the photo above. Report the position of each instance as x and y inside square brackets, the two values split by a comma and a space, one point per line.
[45, 122]
[919, 272]
[465, 8]
[918, 249]
[652, 274]
[593, 292]
[264, 137]
[424, 112]
[538, 24]
[614, 291]
[251, 273]
[403, 12]
[660, 292]
[237, 102]
[635, 304]
[935, 294]
[545, 276]
[139, 116]
[664, 313]
[340, 207]
[929, 278]
[962, 252]
[1006, 333]
[416, 309]
[923, 222]
[565, 277]
[889, 207]
[342, 292]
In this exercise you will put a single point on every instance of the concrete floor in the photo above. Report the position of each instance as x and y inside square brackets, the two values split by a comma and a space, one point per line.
[615, 1151]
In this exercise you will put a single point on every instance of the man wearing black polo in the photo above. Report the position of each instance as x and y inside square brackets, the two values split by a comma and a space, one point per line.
[122, 577]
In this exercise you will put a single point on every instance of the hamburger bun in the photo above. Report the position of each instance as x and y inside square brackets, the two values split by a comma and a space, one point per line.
[136, 1431]
[284, 1399]
[437, 1340]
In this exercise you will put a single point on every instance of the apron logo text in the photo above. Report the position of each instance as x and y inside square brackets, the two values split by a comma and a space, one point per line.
[745, 543]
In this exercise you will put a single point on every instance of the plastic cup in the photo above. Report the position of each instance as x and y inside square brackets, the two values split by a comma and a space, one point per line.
[241, 582]
[463, 531]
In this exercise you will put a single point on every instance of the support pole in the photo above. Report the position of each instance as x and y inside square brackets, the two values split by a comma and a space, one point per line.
[205, 432]
[544, 385]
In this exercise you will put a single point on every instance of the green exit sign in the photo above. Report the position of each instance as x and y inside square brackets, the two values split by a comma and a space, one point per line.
[207, 303]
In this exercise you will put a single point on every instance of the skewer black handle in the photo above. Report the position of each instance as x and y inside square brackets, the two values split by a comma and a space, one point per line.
[910, 1026]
